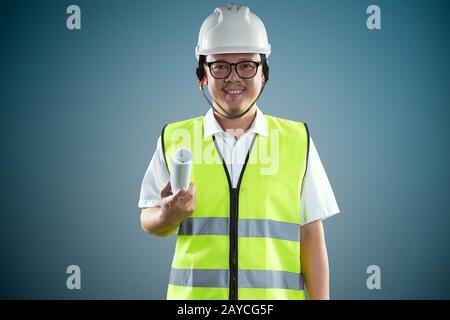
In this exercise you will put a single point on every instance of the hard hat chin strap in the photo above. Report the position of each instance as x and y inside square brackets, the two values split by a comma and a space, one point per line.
[226, 115]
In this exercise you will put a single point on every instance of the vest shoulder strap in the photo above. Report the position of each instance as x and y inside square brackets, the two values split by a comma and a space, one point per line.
[187, 123]
[291, 128]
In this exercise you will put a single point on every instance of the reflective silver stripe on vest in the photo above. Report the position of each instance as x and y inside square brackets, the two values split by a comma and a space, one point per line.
[217, 278]
[246, 228]
[269, 229]
[204, 226]
[199, 277]
[270, 279]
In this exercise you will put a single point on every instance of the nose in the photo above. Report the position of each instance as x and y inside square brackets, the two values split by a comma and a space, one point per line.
[233, 76]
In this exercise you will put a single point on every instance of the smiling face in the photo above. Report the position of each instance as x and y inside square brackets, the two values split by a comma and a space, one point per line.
[234, 94]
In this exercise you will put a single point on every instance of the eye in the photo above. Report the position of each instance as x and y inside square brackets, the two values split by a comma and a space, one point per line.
[220, 66]
[247, 65]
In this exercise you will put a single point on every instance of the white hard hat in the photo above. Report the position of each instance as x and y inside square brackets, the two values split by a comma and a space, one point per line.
[232, 29]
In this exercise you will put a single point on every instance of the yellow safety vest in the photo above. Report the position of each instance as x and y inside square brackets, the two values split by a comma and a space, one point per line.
[241, 243]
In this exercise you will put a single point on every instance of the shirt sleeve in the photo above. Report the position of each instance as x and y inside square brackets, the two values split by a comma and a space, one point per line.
[317, 199]
[154, 180]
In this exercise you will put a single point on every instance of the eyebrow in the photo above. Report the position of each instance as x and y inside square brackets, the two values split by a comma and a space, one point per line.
[239, 60]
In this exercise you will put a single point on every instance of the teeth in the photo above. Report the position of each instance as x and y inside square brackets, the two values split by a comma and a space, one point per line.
[234, 91]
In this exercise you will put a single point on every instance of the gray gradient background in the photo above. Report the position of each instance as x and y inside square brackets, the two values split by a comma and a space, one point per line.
[81, 112]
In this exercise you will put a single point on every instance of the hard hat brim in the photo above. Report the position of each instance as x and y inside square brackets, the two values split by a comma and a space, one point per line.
[232, 49]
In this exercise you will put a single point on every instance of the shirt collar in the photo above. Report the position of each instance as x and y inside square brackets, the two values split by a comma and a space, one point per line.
[211, 126]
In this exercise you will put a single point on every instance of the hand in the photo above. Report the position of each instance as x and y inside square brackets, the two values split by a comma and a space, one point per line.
[176, 207]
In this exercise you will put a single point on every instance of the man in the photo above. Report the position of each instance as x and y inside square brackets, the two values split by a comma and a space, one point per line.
[257, 184]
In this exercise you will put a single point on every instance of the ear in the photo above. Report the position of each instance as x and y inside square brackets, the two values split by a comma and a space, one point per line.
[203, 81]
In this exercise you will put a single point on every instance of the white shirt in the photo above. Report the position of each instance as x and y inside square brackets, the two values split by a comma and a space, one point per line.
[317, 199]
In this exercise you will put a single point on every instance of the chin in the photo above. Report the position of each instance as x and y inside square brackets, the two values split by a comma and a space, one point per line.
[235, 111]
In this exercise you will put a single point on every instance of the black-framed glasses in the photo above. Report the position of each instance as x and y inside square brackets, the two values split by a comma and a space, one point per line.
[244, 69]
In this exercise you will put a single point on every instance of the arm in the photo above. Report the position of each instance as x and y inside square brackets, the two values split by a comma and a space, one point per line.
[162, 221]
[314, 260]
[152, 222]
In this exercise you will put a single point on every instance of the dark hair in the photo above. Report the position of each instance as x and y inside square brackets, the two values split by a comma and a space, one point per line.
[201, 68]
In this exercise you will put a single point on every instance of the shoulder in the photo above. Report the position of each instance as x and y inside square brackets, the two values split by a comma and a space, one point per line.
[183, 123]
[287, 124]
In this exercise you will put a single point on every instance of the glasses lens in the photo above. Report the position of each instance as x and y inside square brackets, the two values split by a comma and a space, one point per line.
[220, 69]
[247, 69]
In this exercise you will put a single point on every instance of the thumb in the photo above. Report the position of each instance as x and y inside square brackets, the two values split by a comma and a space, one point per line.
[166, 190]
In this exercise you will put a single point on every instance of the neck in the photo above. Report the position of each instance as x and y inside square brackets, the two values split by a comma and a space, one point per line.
[236, 127]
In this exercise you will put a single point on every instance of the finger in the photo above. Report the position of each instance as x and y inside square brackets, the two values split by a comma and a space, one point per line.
[190, 206]
[191, 188]
[178, 195]
[186, 198]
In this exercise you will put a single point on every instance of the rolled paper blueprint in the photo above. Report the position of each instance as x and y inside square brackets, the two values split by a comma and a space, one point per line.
[181, 169]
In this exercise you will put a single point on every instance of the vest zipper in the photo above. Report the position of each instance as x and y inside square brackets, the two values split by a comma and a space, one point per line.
[234, 217]
[233, 243]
